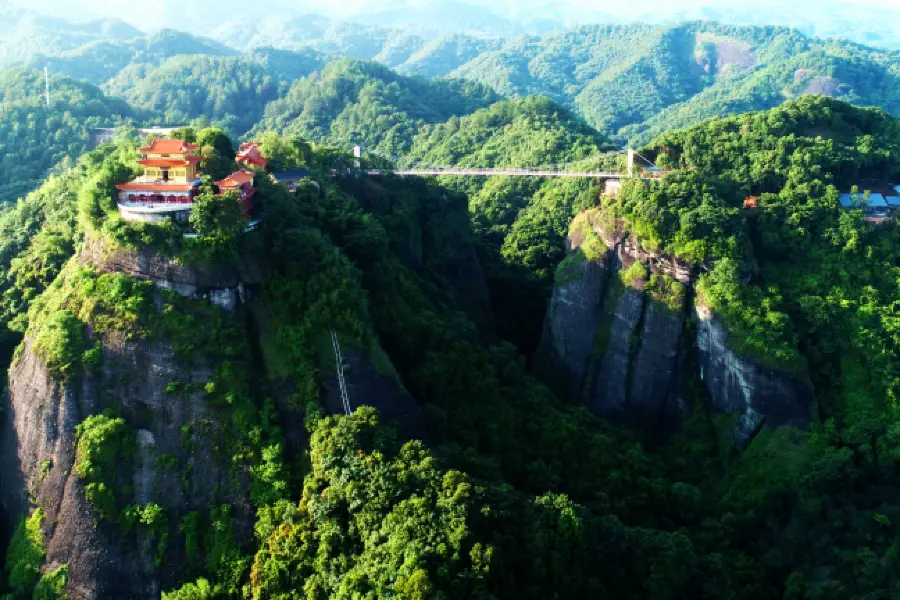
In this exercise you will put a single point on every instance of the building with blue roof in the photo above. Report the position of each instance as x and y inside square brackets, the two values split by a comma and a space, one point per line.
[873, 203]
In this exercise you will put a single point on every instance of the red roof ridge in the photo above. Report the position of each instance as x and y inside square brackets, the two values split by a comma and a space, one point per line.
[163, 146]
[238, 178]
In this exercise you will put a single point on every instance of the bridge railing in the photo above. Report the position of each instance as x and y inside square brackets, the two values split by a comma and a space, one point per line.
[498, 172]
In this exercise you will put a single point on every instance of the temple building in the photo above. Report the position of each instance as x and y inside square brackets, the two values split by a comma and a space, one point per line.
[171, 181]
[168, 186]
[250, 155]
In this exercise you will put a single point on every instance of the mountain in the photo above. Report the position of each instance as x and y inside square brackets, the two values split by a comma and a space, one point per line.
[228, 91]
[351, 102]
[520, 222]
[100, 60]
[35, 137]
[177, 420]
[27, 34]
[190, 409]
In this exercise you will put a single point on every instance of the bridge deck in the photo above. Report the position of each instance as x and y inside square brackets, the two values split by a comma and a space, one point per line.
[500, 172]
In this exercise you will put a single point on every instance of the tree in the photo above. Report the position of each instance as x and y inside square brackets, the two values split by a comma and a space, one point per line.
[218, 220]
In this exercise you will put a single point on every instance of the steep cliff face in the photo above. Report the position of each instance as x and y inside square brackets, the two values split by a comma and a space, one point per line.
[740, 386]
[614, 336]
[176, 463]
[183, 379]
[224, 285]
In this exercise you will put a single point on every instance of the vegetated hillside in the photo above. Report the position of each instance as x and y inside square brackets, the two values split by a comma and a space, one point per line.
[802, 286]
[351, 102]
[100, 60]
[34, 137]
[516, 494]
[288, 65]
[633, 81]
[230, 92]
[409, 52]
[523, 220]
[160, 480]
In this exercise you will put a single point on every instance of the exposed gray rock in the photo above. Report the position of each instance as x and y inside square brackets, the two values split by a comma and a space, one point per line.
[366, 386]
[620, 353]
[739, 385]
[222, 285]
[570, 327]
[656, 367]
[608, 397]
[43, 414]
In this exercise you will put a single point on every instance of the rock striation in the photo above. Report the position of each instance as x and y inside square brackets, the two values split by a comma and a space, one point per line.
[175, 463]
[223, 285]
[616, 338]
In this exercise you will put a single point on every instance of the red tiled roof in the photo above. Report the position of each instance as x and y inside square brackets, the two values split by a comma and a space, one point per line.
[169, 162]
[170, 147]
[236, 179]
[251, 154]
[156, 187]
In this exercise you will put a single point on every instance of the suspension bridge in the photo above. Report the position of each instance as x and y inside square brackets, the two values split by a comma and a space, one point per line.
[479, 172]
[648, 170]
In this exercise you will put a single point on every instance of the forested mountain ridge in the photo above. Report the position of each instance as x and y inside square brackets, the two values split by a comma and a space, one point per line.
[35, 137]
[101, 60]
[228, 91]
[631, 82]
[619, 77]
[353, 102]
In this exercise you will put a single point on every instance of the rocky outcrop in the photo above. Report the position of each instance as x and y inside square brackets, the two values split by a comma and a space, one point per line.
[570, 326]
[614, 340]
[656, 383]
[222, 285]
[741, 386]
[607, 392]
[176, 463]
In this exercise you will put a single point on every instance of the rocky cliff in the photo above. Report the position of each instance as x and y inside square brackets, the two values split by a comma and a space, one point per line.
[175, 463]
[224, 285]
[616, 334]
[183, 378]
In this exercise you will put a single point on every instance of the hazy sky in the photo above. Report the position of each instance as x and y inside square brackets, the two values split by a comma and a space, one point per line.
[157, 13]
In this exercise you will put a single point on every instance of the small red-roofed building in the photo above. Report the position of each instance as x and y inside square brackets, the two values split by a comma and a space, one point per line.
[250, 155]
[242, 183]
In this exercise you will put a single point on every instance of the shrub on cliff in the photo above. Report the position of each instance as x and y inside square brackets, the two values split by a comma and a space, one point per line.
[24, 557]
[103, 442]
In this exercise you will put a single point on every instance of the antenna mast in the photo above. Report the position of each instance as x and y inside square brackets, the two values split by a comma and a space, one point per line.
[47, 84]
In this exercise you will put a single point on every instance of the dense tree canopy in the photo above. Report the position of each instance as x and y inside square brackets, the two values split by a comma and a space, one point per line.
[35, 137]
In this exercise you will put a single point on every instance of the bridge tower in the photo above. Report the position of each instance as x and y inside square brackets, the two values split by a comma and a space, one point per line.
[631, 154]
[357, 156]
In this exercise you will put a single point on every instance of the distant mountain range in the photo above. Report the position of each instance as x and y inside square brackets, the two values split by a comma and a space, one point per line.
[863, 21]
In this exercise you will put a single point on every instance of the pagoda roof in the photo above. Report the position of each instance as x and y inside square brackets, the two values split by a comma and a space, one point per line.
[236, 179]
[169, 162]
[161, 146]
[250, 153]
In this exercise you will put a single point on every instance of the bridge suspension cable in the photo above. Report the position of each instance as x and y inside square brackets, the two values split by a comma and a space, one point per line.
[339, 362]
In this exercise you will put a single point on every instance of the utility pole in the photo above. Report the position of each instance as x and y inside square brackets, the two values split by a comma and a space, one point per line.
[47, 84]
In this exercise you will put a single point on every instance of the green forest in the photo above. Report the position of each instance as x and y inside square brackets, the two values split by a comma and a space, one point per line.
[513, 493]
[339, 394]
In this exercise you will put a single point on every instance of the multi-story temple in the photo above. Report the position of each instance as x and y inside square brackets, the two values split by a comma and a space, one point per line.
[171, 181]
[167, 187]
